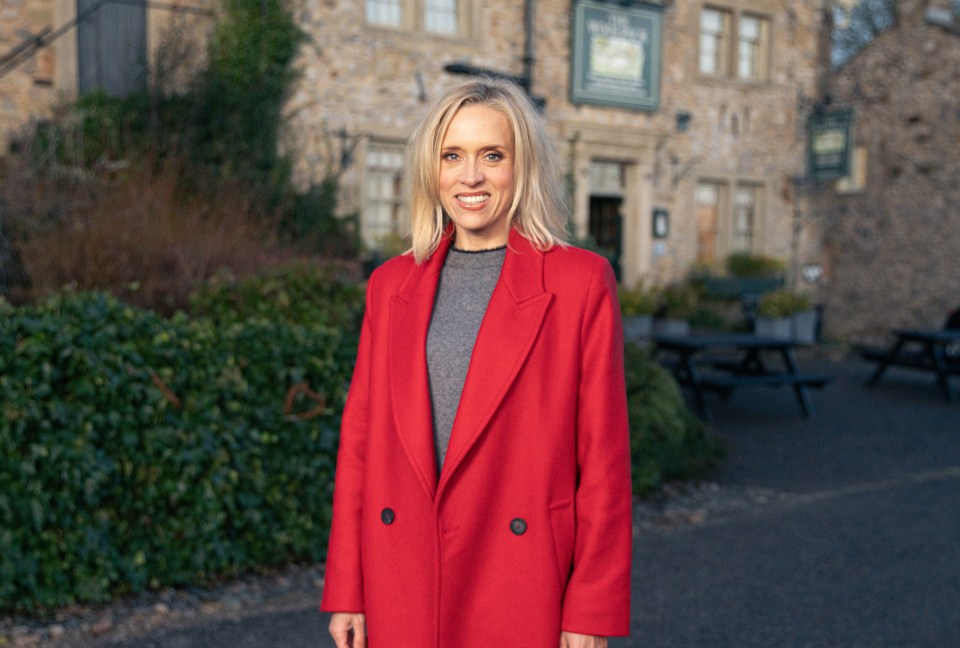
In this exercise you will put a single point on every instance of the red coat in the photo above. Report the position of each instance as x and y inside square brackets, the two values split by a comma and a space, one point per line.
[528, 528]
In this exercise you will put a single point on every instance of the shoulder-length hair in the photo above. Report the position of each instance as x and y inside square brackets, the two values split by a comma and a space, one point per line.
[538, 211]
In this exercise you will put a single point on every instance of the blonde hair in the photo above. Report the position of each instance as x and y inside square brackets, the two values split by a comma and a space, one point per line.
[538, 210]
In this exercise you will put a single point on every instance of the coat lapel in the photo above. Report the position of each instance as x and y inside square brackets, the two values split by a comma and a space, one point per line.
[410, 311]
[510, 326]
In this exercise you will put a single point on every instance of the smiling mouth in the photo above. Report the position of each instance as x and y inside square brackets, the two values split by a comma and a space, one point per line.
[474, 200]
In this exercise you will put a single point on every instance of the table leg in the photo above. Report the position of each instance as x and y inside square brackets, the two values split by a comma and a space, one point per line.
[890, 357]
[936, 354]
[801, 391]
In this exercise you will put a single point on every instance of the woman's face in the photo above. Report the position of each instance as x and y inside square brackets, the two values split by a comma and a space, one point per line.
[476, 176]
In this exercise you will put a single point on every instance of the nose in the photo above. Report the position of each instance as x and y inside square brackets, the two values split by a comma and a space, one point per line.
[472, 174]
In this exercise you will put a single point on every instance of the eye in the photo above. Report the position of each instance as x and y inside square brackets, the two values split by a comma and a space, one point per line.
[450, 156]
[493, 156]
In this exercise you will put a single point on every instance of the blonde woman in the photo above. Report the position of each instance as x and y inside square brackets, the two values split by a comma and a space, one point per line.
[483, 478]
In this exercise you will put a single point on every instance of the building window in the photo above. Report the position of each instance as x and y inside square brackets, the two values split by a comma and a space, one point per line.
[385, 12]
[734, 44]
[384, 216]
[752, 39]
[434, 16]
[111, 47]
[714, 31]
[708, 218]
[440, 16]
[744, 216]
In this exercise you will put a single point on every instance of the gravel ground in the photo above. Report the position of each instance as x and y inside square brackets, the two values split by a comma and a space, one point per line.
[297, 588]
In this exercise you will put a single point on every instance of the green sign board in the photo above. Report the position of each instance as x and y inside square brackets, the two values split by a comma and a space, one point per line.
[616, 55]
[829, 144]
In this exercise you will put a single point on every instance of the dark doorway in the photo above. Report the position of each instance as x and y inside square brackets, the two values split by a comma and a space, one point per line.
[112, 47]
[606, 227]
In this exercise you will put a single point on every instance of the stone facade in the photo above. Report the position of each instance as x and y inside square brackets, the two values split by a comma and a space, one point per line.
[47, 74]
[719, 155]
[892, 243]
[362, 84]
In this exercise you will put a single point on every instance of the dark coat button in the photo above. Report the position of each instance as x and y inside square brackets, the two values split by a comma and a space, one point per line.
[387, 516]
[518, 526]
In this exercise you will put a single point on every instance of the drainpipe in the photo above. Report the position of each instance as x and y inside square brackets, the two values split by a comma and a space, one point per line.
[528, 58]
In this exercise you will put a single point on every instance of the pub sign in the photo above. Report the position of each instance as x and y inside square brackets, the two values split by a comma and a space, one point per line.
[828, 147]
[616, 55]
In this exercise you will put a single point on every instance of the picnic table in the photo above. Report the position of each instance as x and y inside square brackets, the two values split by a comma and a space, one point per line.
[725, 362]
[921, 349]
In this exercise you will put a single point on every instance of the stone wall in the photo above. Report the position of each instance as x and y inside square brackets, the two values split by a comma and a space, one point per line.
[361, 82]
[893, 246]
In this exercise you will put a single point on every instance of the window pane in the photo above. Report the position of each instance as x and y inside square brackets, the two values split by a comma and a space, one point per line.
[744, 214]
[441, 16]
[713, 37]
[752, 47]
[708, 210]
[384, 215]
[384, 12]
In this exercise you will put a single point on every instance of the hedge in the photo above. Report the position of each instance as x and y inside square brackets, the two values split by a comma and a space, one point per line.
[141, 452]
[138, 452]
[667, 441]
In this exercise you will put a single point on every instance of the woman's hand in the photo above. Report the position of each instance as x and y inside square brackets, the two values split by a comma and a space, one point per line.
[574, 640]
[349, 630]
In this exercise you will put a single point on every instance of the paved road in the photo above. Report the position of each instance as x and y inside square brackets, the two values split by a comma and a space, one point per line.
[859, 544]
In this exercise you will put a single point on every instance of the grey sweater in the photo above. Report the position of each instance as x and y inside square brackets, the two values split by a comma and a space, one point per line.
[463, 292]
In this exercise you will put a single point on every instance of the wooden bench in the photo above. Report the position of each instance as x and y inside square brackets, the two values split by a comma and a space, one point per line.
[726, 384]
[925, 350]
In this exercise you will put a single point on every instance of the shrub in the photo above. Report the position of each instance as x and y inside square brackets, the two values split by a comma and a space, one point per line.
[782, 303]
[309, 294]
[143, 241]
[744, 264]
[637, 301]
[140, 452]
[679, 301]
[667, 441]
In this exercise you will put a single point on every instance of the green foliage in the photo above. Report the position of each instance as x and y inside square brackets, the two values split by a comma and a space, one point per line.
[782, 303]
[241, 93]
[744, 265]
[307, 294]
[679, 300]
[637, 301]
[139, 452]
[666, 440]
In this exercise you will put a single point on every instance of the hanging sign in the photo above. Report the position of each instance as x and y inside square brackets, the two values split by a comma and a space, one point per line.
[828, 145]
[616, 55]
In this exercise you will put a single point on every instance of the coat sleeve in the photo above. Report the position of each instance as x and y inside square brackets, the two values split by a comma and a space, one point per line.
[343, 580]
[597, 597]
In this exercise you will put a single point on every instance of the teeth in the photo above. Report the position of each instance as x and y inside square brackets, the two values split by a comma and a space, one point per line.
[473, 200]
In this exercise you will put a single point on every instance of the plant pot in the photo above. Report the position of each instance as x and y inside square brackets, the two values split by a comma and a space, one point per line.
[780, 328]
[637, 327]
[804, 326]
[674, 327]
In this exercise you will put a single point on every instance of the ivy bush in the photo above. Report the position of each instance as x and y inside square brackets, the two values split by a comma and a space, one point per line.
[141, 452]
[667, 441]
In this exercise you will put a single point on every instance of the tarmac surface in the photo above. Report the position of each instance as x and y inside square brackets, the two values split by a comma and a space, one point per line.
[853, 540]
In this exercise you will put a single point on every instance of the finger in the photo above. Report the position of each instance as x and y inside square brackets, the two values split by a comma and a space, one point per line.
[359, 634]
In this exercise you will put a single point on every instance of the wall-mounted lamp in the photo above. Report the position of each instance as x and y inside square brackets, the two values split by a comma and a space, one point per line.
[683, 121]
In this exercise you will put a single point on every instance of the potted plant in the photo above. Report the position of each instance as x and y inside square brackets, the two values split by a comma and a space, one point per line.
[785, 314]
[637, 306]
[677, 304]
[745, 274]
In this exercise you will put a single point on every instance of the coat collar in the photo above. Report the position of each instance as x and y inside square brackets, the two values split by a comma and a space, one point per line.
[510, 326]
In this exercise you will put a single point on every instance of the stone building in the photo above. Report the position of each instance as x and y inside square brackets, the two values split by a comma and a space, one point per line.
[714, 154]
[715, 158]
[891, 231]
[54, 50]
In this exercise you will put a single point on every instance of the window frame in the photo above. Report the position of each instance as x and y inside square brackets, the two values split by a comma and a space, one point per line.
[730, 42]
[726, 238]
[372, 201]
[413, 18]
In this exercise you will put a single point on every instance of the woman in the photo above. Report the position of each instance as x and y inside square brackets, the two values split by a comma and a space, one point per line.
[483, 479]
